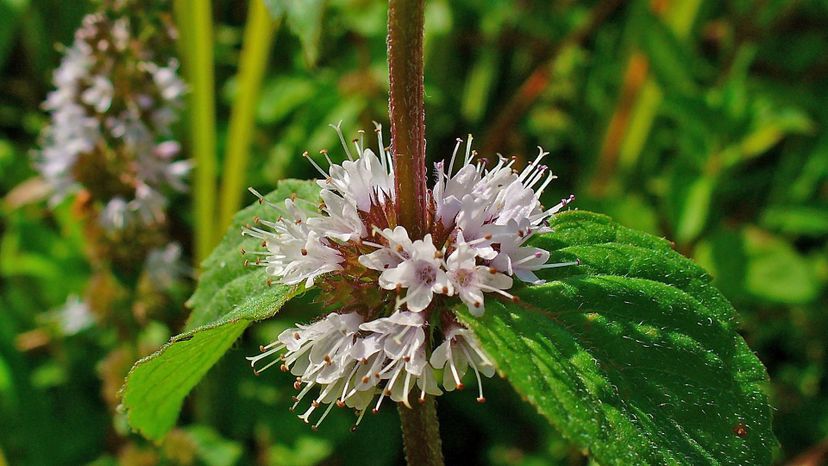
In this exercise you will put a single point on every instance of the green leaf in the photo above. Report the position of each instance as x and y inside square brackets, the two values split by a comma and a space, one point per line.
[304, 18]
[228, 298]
[10, 12]
[632, 355]
[753, 266]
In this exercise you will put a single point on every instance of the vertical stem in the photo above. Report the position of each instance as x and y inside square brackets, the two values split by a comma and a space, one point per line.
[258, 35]
[198, 24]
[421, 434]
[406, 20]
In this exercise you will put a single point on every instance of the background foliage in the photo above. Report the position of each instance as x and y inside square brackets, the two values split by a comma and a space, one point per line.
[702, 122]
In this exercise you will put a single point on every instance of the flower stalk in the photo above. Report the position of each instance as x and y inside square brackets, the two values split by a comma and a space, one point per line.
[421, 433]
[406, 20]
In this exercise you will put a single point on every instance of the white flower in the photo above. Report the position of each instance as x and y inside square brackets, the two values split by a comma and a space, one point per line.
[317, 354]
[522, 261]
[459, 351]
[421, 274]
[367, 181]
[470, 280]
[170, 86]
[388, 256]
[401, 338]
[164, 266]
[114, 214]
[481, 222]
[74, 317]
[99, 94]
[296, 252]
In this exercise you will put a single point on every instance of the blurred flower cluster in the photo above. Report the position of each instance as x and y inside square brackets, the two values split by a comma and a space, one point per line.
[117, 95]
[115, 100]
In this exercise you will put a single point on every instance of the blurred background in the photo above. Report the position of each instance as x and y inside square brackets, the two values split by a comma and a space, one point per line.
[699, 121]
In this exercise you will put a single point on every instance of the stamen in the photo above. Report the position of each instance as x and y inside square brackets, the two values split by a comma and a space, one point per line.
[548, 180]
[324, 415]
[315, 165]
[531, 168]
[453, 154]
[560, 264]
[468, 149]
[359, 419]
[302, 394]
[457, 381]
[338, 130]
[480, 398]
[380, 145]
[405, 389]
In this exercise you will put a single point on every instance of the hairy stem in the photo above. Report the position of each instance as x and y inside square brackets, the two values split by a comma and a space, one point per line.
[405, 105]
[421, 434]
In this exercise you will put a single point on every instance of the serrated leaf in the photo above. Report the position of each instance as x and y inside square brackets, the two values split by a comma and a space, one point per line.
[229, 296]
[633, 355]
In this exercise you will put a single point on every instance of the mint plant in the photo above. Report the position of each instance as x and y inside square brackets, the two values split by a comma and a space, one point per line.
[620, 342]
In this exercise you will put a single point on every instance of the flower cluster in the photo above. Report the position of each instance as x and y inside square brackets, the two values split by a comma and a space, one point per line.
[115, 99]
[479, 222]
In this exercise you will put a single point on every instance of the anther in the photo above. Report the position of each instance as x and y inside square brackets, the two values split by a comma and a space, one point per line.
[283, 368]
[304, 251]
[481, 399]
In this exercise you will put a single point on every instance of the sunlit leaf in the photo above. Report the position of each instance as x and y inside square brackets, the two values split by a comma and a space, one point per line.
[229, 297]
[633, 355]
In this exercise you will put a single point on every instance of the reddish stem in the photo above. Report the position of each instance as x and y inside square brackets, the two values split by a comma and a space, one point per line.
[405, 105]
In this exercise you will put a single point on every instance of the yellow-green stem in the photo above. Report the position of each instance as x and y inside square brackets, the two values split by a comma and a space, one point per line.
[258, 37]
[195, 19]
